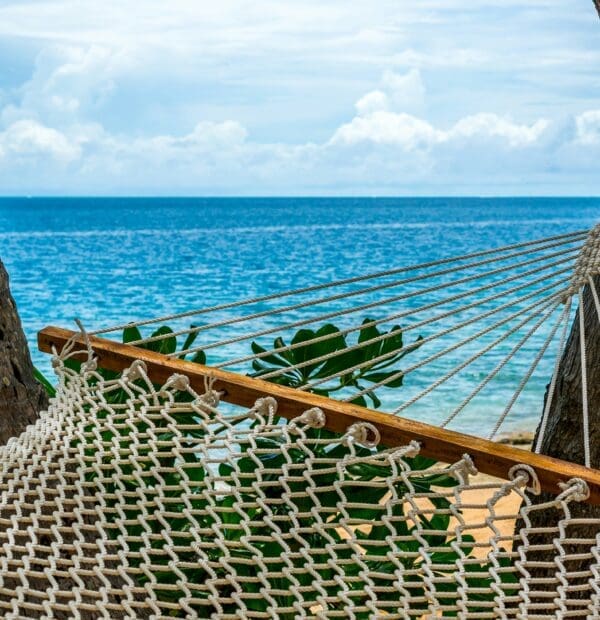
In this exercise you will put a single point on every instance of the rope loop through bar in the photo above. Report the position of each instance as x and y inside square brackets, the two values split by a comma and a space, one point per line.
[313, 417]
[364, 434]
[267, 408]
[575, 488]
[465, 468]
[137, 370]
[524, 475]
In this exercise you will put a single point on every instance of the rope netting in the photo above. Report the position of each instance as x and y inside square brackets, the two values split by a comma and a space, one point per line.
[132, 500]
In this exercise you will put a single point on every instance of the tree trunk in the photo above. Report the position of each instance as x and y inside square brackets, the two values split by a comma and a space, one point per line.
[564, 437]
[21, 396]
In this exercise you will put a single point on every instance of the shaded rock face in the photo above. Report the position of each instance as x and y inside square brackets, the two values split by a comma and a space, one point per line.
[21, 396]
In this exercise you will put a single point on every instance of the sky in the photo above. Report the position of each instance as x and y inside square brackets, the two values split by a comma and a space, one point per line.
[302, 97]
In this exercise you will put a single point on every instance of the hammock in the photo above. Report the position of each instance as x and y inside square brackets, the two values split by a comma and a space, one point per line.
[159, 487]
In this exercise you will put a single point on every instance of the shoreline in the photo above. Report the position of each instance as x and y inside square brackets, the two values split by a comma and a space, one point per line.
[518, 439]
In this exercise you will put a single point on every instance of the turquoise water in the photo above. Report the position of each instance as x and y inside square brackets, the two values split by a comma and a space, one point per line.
[107, 261]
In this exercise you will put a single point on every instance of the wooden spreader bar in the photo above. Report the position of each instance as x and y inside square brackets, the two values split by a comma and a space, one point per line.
[444, 445]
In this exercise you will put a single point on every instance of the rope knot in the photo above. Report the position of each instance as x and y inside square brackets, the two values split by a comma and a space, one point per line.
[207, 403]
[524, 476]
[90, 365]
[313, 417]
[211, 398]
[362, 433]
[410, 450]
[266, 406]
[576, 489]
[465, 468]
[179, 382]
[137, 370]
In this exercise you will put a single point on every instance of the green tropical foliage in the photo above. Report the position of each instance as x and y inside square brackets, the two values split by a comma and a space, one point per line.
[303, 365]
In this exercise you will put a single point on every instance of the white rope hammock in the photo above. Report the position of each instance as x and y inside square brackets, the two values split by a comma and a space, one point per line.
[138, 498]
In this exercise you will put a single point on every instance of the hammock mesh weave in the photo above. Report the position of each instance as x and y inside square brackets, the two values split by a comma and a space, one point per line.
[129, 500]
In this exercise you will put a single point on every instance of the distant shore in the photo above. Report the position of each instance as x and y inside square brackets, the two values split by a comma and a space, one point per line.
[520, 439]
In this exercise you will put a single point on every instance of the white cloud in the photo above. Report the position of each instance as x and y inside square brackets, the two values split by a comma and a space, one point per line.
[381, 119]
[206, 136]
[398, 92]
[254, 97]
[198, 29]
[492, 126]
[68, 83]
[588, 127]
[406, 91]
[374, 101]
[379, 151]
[382, 127]
[28, 139]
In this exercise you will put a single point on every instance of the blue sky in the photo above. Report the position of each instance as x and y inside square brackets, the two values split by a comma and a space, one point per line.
[306, 97]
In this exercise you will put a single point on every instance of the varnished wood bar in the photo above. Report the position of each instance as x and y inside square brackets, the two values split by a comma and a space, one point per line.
[444, 445]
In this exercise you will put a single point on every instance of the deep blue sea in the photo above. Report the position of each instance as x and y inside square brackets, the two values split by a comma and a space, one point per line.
[108, 261]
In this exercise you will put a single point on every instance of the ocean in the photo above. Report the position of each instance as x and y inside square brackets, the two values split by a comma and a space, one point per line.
[110, 260]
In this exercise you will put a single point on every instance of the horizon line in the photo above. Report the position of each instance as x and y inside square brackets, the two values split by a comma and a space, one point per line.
[292, 196]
